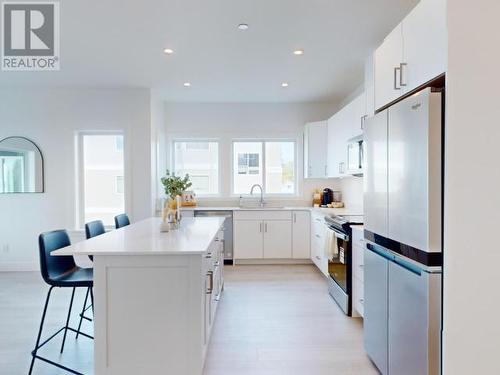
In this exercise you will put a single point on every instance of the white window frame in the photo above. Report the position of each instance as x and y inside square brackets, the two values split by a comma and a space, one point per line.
[219, 164]
[263, 141]
[80, 178]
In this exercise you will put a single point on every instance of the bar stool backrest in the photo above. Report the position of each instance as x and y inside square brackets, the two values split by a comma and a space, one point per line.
[94, 229]
[52, 267]
[121, 220]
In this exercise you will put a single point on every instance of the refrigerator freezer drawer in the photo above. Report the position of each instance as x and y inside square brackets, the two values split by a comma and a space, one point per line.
[414, 321]
[375, 309]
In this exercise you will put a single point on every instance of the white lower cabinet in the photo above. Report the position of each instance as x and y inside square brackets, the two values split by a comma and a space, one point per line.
[248, 239]
[358, 298]
[270, 234]
[301, 235]
[277, 239]
[214, 282]
[318, 245]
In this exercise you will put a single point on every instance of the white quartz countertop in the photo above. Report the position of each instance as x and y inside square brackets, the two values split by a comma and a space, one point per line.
[326, 211]
[144, 238]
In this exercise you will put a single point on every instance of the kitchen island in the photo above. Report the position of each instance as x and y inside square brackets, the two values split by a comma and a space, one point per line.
[156, 295]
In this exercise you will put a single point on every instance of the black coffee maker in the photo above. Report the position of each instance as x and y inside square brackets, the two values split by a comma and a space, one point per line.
[327, 197]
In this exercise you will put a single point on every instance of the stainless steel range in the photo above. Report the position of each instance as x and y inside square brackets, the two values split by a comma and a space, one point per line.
[339, 252]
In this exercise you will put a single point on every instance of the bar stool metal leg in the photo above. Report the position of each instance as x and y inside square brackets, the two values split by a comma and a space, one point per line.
[83, 311]
[40, 330]
[92, 299]
[67, 320]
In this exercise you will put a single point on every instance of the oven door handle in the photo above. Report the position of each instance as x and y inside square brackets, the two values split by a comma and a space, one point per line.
[340, 235]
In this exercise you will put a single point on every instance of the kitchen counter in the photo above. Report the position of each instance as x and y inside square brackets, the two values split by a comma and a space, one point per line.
[156, 295]
[144, 238]
[325, 211]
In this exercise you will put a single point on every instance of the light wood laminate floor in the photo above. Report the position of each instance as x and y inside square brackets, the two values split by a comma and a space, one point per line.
[272, 320]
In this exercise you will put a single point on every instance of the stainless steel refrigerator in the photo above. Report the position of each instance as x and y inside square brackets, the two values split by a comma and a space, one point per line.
[403, 230]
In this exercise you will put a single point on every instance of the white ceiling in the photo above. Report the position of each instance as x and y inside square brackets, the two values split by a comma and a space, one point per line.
[119, 43]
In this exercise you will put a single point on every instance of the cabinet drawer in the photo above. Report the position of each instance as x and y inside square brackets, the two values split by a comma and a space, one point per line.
[359, 296]
[358, 235]
[358, 262]
[263, 215]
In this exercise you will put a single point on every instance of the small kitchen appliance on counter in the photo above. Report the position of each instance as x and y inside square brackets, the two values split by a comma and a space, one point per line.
[327, 197]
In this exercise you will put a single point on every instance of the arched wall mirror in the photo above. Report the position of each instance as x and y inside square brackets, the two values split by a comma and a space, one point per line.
[21, 166]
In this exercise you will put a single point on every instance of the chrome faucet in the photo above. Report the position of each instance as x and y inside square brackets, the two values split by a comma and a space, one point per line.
[261, 193]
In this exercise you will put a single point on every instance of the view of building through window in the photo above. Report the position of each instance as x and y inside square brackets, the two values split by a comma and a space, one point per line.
[103, 177]
[270, 164]
[280, 168]
[199, 159]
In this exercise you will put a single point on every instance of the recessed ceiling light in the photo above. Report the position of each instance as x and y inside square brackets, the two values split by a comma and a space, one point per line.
[187, 84]
[284, 84]
[243, 26]
[168, 51]
[298, 52]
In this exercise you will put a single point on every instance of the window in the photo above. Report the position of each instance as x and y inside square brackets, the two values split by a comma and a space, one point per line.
[270, 164]
[248, 163]
[199, 159]
[119, 185]
[102, 192]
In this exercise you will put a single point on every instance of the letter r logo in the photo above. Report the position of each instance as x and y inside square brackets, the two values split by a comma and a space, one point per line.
[28, 29]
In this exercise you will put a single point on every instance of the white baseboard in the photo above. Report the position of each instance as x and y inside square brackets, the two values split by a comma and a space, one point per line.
[19, 267]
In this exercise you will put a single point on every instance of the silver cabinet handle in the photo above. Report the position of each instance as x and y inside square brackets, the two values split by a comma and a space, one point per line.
[363, 119]
[341, 167]
[260, 227]
[317, 235]
[210, 275]
[326, 170]
[401, 74]
[317, 257]
[265, 227]
[396, 78]
[361, 266]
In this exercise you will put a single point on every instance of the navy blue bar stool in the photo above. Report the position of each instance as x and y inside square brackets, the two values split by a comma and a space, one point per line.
[92, 229]
[61, 272]
[121, 221]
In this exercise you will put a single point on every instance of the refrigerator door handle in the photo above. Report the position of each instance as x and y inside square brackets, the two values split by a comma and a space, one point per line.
[394, 258]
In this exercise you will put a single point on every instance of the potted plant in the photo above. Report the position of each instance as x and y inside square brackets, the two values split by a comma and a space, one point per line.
[174, 186]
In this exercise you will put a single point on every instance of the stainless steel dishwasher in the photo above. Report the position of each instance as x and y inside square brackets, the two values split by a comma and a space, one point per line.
[228, 230]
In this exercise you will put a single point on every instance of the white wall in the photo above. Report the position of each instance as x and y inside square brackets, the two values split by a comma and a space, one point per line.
[352, 192]
[228, 121]
[471, 337]
[51, 119]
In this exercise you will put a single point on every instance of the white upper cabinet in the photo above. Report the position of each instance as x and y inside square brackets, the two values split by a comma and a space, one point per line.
[388, 59]
[315, 149]
[413, 53]
[425, 43]
[369, 87]
[345, 124]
